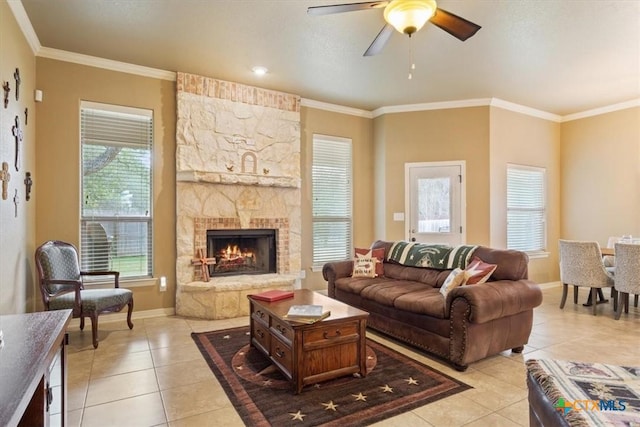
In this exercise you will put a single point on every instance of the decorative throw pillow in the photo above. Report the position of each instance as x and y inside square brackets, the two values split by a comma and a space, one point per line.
[364, 266]
[453, 280]
[378, 254]
[478, 271]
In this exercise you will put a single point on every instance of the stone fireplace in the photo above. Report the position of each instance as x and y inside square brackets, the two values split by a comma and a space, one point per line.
[237, 173]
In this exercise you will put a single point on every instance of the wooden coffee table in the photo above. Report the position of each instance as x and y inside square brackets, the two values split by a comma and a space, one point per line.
[308, 354]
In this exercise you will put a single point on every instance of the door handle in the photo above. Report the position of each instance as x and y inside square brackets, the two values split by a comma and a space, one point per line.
[413, 239]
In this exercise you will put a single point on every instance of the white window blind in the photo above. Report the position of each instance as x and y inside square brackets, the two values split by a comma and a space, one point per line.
[116, 208]
[526, 208]
[332, 199]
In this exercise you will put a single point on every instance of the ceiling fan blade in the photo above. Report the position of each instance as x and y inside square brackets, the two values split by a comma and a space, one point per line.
[454, 25]
[339, 8]
[380, 41]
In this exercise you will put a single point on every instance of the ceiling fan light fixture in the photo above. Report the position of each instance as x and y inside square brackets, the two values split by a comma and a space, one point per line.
[408, 16]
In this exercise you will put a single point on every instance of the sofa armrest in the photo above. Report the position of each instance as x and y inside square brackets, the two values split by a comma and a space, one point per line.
[501, 298]
[333, 271]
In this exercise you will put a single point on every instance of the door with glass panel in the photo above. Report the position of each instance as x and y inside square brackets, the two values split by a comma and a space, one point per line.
[435, 202]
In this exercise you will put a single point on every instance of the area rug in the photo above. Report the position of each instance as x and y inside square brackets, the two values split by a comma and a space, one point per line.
[394, 384]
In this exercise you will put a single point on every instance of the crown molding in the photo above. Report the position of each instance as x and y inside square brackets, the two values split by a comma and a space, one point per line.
[465, 103]
[108, 64]
[602, 110]
[517, 108]
[336, 108]
[25, 24]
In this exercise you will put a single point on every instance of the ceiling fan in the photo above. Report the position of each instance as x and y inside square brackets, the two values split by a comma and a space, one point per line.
[406, 16]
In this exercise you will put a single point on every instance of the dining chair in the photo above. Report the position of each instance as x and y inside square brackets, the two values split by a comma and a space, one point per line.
[627, 277]
[581, 265]
[62, 287]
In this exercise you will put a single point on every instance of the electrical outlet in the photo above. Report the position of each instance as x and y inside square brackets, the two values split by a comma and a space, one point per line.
[163, 284]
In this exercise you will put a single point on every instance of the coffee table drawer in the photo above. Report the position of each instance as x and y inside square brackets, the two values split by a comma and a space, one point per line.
[329, 334]
[282, 354]
[261, 335]
[282, 329]
[260, 315]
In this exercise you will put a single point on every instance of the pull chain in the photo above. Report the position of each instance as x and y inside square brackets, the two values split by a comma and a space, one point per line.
[412, 65]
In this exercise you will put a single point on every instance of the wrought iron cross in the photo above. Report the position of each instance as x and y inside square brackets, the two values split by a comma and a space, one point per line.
[5, 177]
[28, 182]
[7, 89]
[17, 133]
[16, 76]
[16, 200]
[204, 264]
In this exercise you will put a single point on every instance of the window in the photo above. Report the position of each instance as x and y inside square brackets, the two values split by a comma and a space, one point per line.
[526, 208]
[116, 210]
[332, 189]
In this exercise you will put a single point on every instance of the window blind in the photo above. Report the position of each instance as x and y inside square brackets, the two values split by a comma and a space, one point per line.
[526, 208]
[332, 199]
[116, 204]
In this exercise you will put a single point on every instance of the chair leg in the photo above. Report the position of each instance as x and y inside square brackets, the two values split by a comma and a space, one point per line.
[614, 297]
[82, 323]
[594, 299]
[635, 300]
[575, 294]
[129, 311]
[564, 295]
[626, 303]
[620, 305]
[94, 329]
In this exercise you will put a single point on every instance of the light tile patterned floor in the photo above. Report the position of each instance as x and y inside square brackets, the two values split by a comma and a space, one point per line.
[154, 375]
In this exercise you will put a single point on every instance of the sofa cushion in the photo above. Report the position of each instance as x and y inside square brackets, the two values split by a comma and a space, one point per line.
[428, 301]
[478, 272]
[356, 285]
[364, 266]
[378, 254]
[429, 276]
[455, 278]
[388, 291]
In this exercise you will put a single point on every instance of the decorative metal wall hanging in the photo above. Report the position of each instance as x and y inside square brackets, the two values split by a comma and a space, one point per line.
[19, 135]
[5, 177]
[28, 182]
[16, 201]
[7, 89]
[16, 76]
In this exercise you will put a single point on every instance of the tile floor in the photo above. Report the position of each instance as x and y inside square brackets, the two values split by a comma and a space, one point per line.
[139, 377]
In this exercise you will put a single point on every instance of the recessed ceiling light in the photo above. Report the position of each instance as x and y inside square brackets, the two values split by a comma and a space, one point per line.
[259, 70]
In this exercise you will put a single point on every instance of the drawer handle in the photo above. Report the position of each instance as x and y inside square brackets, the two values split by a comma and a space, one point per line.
[279, 352]
[260, 314]
[281, 329]
[260, 333]
[336, 335]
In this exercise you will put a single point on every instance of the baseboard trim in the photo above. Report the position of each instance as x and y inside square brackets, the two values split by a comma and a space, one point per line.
[122, 316]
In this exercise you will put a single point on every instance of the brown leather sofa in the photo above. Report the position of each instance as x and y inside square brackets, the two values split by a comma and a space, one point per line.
[474, 321]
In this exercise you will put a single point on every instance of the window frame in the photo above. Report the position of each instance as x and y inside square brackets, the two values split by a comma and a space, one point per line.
[318, 263]
[532, 252]
[148, 220]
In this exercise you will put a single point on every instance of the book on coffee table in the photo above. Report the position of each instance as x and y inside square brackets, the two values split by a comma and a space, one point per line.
[308, 313]
[273, 295]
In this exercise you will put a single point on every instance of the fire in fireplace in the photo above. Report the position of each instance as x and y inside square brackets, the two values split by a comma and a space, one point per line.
[242, 251]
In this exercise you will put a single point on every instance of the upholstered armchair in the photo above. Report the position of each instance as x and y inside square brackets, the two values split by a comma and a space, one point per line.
[581, 265]
[62, 287]
[627, 277]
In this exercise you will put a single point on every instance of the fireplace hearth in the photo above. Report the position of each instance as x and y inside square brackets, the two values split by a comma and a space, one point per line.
[240, 251]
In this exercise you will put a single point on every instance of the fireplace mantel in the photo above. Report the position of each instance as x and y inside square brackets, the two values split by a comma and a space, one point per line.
[238, 179]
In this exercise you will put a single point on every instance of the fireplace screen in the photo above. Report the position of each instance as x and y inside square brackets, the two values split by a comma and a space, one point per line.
[242, 251]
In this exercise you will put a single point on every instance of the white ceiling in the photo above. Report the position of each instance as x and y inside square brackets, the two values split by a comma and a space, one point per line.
[558, 56]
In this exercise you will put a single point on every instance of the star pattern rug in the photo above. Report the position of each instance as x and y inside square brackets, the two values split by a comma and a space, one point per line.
[262, 396]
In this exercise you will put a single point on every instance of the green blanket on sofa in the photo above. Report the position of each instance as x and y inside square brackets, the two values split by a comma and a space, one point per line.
[443, 257]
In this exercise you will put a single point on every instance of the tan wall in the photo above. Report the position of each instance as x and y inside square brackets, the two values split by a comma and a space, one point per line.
[525, 140]
[57, 177]
[600, 189]
[18, 292]
[359, 130]
[431, 136]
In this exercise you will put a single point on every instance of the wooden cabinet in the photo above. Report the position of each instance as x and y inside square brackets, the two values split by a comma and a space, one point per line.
[308, 354]
[33, 369]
